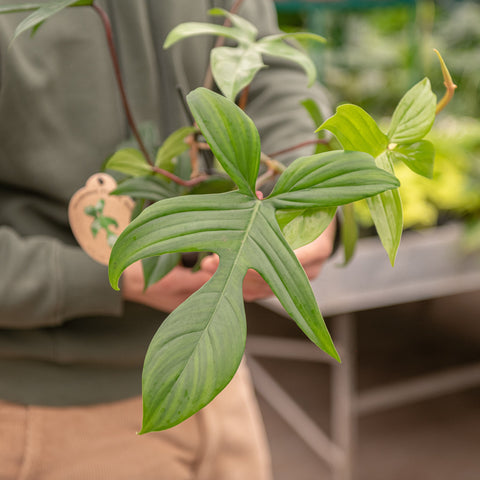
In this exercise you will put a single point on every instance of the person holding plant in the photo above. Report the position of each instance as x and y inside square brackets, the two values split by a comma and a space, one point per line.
[71, 348]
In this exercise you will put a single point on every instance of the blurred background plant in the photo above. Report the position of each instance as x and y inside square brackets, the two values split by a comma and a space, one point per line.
[376, 50]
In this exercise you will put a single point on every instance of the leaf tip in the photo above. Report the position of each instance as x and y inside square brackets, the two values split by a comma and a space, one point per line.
[170, 40]
[334, 354]
[114, 283]
[217, 11]
[143, 431]
[148, 424]
[113, 277]
[392, 254]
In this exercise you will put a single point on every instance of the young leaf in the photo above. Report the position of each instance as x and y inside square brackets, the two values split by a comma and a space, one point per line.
[129, 161]
[300, 227]
[242, 30]
[276, 46]
[414, 116]
[173, 146]
[232, 136]
[418, 156]
[44, 12]
[356, 130]
[387, 213]
[249, 29]
[25, 7]
[300, 36]
[234, 68]
[191, 29]
[155, 268]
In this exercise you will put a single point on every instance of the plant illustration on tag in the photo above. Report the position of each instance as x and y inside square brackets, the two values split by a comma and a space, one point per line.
[96, 217]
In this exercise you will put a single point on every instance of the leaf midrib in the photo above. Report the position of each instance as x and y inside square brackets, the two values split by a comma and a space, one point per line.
[255, 209]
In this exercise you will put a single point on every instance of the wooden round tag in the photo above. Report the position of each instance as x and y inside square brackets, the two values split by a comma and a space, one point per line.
[97, 218]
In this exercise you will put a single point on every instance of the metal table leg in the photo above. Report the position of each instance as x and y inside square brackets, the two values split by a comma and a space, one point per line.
[343, 418]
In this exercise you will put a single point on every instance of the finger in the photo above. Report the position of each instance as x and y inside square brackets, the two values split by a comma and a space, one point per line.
[210, 264]
[255, 287]
[318, 250]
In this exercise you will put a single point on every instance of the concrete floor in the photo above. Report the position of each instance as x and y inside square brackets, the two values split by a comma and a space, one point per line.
[435, 439]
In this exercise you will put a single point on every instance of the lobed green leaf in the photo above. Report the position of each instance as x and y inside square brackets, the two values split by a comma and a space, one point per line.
[198, 348]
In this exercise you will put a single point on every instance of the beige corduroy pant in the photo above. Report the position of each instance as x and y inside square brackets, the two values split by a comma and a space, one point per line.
[224, 441]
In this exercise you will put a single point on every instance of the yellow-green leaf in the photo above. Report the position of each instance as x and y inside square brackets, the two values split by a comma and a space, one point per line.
[356, 130]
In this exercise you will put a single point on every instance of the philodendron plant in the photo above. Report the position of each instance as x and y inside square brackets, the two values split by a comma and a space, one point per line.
[198, 348]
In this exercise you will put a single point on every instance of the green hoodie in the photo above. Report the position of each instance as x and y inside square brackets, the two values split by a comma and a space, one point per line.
[65, 336]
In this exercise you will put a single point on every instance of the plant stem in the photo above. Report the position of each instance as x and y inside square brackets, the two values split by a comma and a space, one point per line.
[194, 159]
[178, 180]
[300, 145]
[116, 66]
[273, 168]
[242, 101]
[448, 82]
[264, 178]
[272, 164]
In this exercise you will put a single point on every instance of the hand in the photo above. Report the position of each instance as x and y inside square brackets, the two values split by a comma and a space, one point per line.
[168, 293]
[311, 256]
